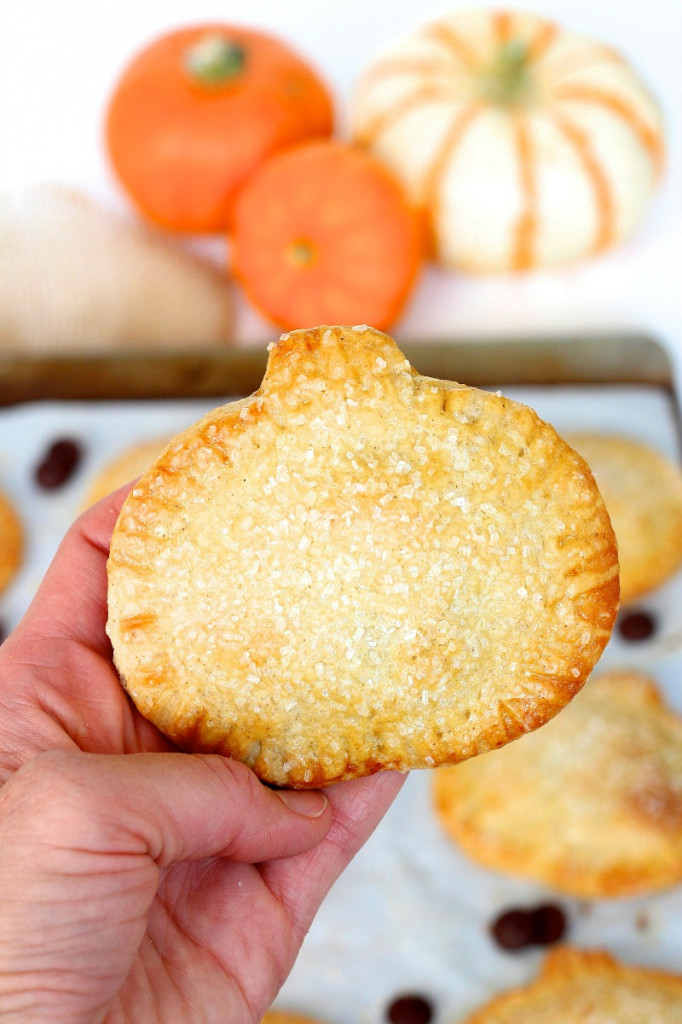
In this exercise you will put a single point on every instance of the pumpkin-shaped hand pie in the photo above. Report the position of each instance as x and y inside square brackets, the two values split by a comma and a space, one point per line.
[597, 807]
[277, 1016]
[359, 568]
[11, 542]
[579, 986]
[128, 464]
[642, 490]
[529, 146]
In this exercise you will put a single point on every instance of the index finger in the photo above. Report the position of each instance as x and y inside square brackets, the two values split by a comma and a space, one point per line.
[71, 602]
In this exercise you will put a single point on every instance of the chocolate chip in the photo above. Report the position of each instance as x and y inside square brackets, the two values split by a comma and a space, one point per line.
[538, 926]
[513, 929]
[636, 626]
[642, 921]
[548, 923]
[410, 1009]
[58, 464]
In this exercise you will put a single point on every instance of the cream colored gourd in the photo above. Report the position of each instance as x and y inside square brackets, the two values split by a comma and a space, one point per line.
[528, 146]
[76, 277]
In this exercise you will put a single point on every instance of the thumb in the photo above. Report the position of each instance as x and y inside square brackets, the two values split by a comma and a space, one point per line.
[171, 807]
[82, 838]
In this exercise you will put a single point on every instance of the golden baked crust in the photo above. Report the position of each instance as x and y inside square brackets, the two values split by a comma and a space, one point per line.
[11, 542]
[125, 467]
[577, 987]
[591, 804]
[276, 1016]
[359, 568]
[642, 491]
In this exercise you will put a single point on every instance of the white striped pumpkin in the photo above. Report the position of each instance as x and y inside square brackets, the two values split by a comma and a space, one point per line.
[528, 146]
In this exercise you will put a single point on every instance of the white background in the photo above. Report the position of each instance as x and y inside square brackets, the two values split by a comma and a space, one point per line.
[59, 61]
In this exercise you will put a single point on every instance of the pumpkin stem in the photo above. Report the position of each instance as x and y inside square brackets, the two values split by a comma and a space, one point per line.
[507, 81]
[215, 60]
[302, 253]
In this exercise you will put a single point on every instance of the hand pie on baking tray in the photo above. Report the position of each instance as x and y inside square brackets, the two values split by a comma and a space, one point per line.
[588, 987]
[123, 468]
[591, 804]
[276, 1016]
[359, 568]
[642, 491]
[11, 542]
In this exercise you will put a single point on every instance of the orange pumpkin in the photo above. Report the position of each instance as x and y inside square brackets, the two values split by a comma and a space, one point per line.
[325, 235]
[198, 110]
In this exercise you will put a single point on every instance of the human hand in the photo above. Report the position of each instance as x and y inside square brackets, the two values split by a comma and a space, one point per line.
[157, 887]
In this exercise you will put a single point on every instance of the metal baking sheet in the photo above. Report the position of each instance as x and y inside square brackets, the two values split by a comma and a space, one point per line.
[412, 913]
[579, 359]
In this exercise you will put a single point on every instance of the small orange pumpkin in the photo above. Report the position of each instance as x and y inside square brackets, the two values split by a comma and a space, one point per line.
[324, 234]
[198, 110]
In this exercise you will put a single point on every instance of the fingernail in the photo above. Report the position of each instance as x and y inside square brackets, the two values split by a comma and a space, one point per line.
[308, 802]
